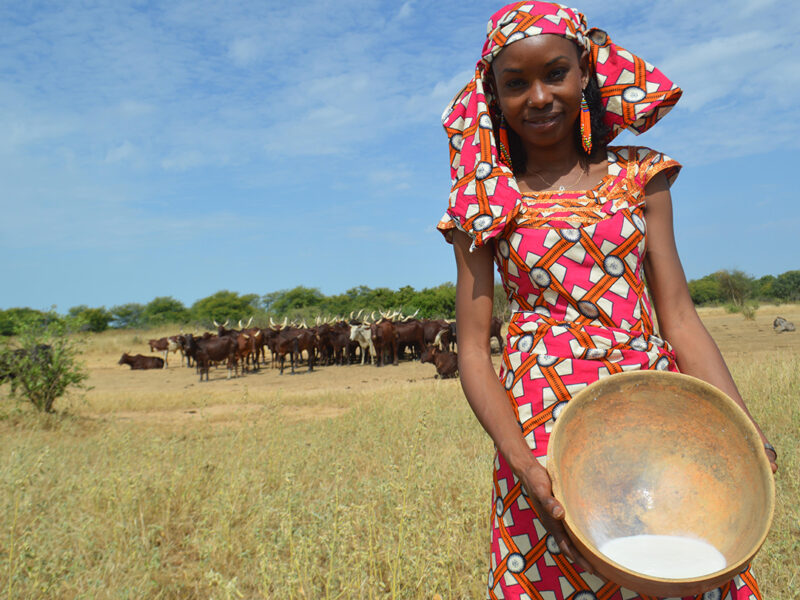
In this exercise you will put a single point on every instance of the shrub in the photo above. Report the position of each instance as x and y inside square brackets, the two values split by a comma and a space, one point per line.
[43, 364]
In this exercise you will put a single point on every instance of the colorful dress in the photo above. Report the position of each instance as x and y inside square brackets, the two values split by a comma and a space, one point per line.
[572, 266]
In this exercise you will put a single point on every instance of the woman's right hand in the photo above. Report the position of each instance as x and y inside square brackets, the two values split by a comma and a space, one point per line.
[539, 490]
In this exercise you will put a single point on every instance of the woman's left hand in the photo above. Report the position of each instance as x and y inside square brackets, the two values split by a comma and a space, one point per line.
[772, 457]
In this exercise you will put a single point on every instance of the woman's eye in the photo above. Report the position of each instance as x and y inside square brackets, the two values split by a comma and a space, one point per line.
[515, 83]
[558, 74]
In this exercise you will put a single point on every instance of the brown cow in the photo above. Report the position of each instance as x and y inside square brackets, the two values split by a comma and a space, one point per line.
[169, 344]
[384, 339]
[140, 361]
[494, 331]
[292, 341]
[216, 349]
[412, 334]
[446, 362]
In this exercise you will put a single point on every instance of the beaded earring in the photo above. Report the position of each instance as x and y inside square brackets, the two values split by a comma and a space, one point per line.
[502, 142]
[586, 125]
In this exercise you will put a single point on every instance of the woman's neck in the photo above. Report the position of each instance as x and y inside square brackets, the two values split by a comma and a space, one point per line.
[557, 160]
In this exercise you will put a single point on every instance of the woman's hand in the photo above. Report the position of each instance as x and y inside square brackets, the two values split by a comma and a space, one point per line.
[539, 490]
[772, 457]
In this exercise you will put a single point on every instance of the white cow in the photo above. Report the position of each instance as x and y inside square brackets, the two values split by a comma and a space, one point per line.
[362, 334]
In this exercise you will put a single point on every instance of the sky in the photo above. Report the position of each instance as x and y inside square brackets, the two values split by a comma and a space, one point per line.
[180, 148]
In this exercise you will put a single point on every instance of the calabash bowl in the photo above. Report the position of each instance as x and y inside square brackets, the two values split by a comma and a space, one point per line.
[660, 453]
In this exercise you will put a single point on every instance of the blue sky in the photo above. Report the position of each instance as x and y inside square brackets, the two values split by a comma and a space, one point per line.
[179, 148]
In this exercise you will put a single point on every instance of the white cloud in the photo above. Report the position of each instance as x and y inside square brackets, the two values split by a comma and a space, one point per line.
[245, 51]
[119, 153]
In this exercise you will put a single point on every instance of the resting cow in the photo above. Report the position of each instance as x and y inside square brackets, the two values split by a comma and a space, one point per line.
[446, 362]
[140, 361]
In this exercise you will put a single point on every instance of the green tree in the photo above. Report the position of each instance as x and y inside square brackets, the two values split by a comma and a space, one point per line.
[43, 364]
[12, 318]
[787, 286]
[90, 319]
[224, 305]
[295, 302]
[735, 286]
[763, 288]
[128, 315]
[165, 309]
[705, 290]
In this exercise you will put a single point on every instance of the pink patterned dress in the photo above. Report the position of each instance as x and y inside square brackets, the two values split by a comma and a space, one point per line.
[572, 265]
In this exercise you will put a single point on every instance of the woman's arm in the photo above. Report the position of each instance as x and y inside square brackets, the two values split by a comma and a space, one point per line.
[474, 294]
[696, 351]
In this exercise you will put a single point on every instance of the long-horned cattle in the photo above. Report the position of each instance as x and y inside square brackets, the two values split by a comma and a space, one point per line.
[446, 362]
[140, 361]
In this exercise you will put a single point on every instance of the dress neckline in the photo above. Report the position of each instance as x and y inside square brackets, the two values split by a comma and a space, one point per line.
[610, 159]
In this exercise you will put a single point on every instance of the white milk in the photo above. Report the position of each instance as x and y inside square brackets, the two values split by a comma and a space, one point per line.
[665, 556]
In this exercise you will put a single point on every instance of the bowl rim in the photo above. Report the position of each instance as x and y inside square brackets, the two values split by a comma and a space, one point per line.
[654, 585]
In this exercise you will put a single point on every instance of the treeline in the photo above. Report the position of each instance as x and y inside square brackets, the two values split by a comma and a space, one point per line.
[738, 289]
[733, 288]
[300, 303]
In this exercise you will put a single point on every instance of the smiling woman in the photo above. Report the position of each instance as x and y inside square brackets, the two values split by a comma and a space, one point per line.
[573, 225]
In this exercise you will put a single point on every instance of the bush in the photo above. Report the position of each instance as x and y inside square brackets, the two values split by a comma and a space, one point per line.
[43, 365]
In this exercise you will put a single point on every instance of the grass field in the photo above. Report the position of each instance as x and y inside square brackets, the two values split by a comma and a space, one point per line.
[349, 482]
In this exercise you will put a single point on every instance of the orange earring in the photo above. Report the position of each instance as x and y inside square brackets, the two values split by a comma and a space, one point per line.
[586, 126]
[502, 142]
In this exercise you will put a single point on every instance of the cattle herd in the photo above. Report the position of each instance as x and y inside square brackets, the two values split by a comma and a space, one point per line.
[357, 340]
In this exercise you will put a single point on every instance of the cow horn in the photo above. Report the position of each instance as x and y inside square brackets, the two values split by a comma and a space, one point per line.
[215, 322]
[303, 324]
[240, 324]
[250, 321]
[271, 322]
[416, 312]
[285, 321]
[226, 322]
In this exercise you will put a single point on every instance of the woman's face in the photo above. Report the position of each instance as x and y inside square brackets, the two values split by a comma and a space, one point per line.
[539, 81]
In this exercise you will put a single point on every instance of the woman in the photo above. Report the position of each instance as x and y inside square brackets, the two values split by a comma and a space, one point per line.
[537, 190]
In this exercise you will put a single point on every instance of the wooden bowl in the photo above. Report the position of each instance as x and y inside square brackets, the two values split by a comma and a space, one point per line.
[659, 453]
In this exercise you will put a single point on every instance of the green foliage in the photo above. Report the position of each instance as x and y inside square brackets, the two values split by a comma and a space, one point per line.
[224, 305]
[705, 290]
[130, 315]
[735, 286]
[43, 364]
[165, 309]
[787, 286]
[90, 319]
[13, 318]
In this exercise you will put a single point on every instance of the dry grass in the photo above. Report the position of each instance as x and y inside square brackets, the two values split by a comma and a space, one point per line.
[350, 482]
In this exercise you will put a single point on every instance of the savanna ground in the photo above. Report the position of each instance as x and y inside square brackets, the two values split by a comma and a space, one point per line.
[349, 482]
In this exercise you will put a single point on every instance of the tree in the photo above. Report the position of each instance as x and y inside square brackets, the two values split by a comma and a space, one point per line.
[787, 286]
[11, 319]
[90, 319]
[705, 290]
[735, 286]
[127, 315]
[43, 365]
[224, 305]
[165, 309]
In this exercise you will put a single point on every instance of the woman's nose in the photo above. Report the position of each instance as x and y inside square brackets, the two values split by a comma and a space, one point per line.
[539, 95]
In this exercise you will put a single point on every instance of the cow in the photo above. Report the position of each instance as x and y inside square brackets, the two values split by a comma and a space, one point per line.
[169, 344]
[141, 362]
[494, 331]
[779, 325]
[411, 333]
[384, 340]
[362, 335]
[216, 349]
[446, 362]
[292, 341]
[436, 332]
[42, 354]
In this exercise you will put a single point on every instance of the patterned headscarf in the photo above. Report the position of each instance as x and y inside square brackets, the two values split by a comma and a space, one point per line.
[635, 95]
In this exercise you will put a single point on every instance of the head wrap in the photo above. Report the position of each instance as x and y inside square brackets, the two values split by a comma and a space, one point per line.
[484, 197]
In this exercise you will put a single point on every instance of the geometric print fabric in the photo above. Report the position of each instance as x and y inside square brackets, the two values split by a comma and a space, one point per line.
[571, 265]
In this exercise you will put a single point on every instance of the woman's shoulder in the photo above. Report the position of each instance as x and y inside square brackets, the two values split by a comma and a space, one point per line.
[639, 164]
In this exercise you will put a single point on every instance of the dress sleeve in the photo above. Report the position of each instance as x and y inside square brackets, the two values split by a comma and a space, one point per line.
[651, 163]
